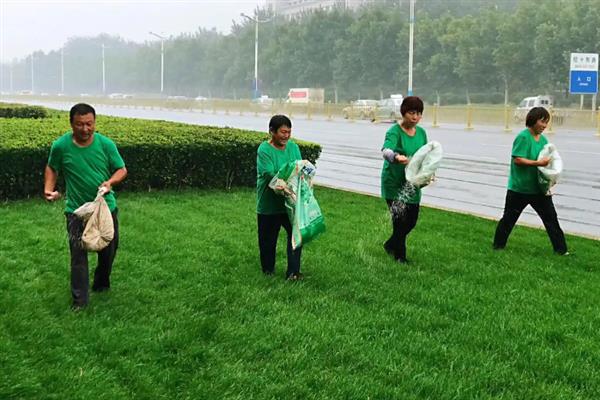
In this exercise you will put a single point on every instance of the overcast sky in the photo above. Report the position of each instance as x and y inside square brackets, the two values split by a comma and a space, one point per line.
[28, 25]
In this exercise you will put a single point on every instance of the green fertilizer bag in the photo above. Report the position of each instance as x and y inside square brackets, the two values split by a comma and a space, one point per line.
[294, 181]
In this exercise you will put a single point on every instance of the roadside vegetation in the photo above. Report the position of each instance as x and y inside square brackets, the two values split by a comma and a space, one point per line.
[190, 315]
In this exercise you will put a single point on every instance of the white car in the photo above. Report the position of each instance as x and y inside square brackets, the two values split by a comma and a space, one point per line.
[389, 109]
[177, 98]
[558, 116]
[361, 109]
[263, 101]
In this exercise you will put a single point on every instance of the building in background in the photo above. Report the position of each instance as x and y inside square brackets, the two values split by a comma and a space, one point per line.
[291, 8]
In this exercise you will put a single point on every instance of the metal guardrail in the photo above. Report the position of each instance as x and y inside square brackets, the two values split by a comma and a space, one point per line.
[506, 118]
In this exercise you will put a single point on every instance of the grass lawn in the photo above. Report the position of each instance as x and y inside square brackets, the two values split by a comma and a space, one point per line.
[190, 316]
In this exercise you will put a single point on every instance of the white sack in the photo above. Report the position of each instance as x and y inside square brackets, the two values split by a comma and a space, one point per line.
[551, 172]
[423, 164]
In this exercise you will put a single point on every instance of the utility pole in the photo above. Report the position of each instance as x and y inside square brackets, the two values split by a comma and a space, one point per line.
[162, 60]
[256, 22]
[410, 47]
[62, 70]
[32, 82]
[11, 76]
[103, 71]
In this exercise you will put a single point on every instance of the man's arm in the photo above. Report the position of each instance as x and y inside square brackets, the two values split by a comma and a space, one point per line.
[50, 177]
[117, 177]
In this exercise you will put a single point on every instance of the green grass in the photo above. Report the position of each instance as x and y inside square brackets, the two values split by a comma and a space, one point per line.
[190, 316]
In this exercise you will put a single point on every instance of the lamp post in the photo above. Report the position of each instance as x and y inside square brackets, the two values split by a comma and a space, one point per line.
[11, 76]
[410, 47]
[32, 82]
[256, 22]
[103, 71]
[62, 70]
[162, 60]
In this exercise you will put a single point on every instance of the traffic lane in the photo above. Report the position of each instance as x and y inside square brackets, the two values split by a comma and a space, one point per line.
[466, 186]
[581, 149]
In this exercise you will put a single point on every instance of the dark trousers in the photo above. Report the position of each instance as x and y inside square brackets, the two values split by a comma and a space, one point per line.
[543, 206]
[404, 219]
[268, 231]
[79, 260]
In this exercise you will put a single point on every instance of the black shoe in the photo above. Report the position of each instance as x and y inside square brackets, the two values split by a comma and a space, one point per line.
[295, 277]
[388, 250]
[78, 307]
[497, 247]
[99, 289]
[402, 261]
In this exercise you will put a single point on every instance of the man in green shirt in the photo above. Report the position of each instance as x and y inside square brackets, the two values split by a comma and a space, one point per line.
[88, 161]
[270, 207]
[523, 183]
[401, 142]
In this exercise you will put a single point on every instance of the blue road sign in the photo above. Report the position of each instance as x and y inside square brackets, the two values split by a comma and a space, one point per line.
[583, 82]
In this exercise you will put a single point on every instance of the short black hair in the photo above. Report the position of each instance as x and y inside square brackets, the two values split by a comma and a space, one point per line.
[81, 109]
[535, 114]
[277, 121]
[411, 103]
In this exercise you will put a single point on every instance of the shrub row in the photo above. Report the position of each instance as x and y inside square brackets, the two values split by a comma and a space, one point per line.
[158, 154]
[9, 110]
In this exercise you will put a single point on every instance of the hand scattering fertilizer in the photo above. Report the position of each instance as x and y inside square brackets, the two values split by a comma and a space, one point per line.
[549, 175]
[420, 172]
[294, 181]
[99, 229]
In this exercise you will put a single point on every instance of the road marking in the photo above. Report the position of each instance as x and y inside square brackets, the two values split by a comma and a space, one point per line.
[581, 152]
[471, 157]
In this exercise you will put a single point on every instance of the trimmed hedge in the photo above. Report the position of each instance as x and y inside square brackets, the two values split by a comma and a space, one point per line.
[9, 110]
[158, 154]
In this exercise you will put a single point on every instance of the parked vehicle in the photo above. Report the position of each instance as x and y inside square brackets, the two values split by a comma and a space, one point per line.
[389, 109]
[547, 102]
[306, 95]
[360, 109]
[176, 98]
[201, 98]
[263, 101]
[120, 96]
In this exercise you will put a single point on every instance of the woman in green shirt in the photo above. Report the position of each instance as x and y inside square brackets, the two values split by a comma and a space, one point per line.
[270, 207]
[401, 142]
[523, 184]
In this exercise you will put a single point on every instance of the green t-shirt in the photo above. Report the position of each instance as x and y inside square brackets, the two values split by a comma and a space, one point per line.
[269, 161]
[524, 178]
[85, 168]
[393, 175]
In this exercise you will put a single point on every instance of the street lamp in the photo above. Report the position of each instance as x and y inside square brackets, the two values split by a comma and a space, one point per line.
[256, 22]
[410, 44]
[11, 76]
[162, 59]
[32, 86]
[410, 47]
[103, 71]
[62, 70]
